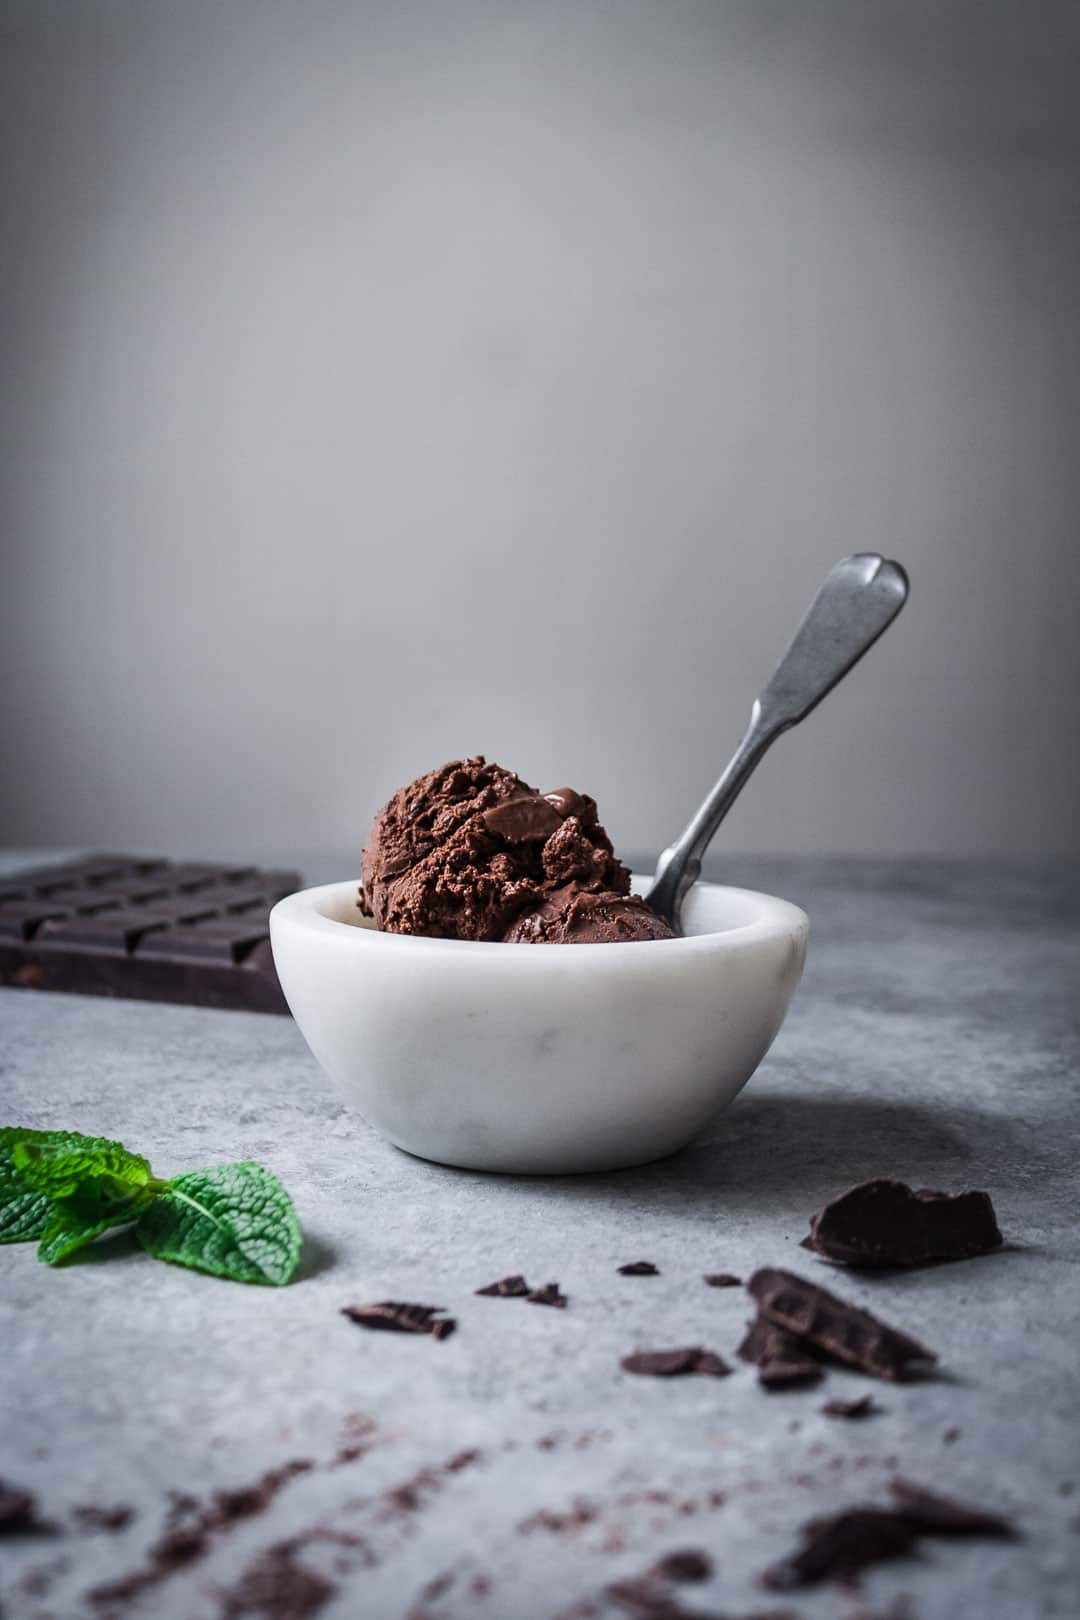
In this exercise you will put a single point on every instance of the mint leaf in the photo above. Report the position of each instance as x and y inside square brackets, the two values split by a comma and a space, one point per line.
[88, 1184]
[99, 1173]
[24, 1210]
[65, 1231]
[235, 1220]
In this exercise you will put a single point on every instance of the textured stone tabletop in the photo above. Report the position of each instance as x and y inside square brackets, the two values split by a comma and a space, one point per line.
[513, 1470]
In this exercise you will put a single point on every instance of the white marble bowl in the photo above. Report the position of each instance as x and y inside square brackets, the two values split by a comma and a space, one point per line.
[540, 1058]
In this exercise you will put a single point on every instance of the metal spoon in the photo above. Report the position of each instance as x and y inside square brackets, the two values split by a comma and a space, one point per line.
[860, 598]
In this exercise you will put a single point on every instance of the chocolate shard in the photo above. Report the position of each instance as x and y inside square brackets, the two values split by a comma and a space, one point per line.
[885, 1223]
[639, 1268]
[834, 1327]
[675, 1363]
[548, 1295]
[393, 1316]
[506, 1288]
[864, 1407]
[943, 1515]
[18, 1509]
[687, 1564]
[722, 1279]
[113, 1519]
[841, 1544]
[781, 1360]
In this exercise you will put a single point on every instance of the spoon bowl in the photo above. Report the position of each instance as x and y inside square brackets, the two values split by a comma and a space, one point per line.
[540, 1059]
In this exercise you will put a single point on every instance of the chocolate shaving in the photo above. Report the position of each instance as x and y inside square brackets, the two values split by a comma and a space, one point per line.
[840, 1544]
[392, 1316]
[186, 1543]
[93, 1517]
[864, 1407]
[548, 1295]
[688, 1564]
[506, 1288]
[18, 1510]
[833, 1326]
[943, 1515]
[674, 1363]
[276, 1587]
[639, 1268]
[781, 1360]
[886, 1223]
[722, 1279]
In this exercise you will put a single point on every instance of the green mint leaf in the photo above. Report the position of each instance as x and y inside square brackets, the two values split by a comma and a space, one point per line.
[66, 1231]
[235, 1220]
[88, 1183]
[93, 1175]
[24, 1210]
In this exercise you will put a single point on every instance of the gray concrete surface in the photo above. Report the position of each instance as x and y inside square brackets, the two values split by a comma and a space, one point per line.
[934, 1038]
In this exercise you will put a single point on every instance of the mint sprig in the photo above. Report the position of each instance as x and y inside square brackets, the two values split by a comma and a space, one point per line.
[24, 1210]
[65, 1189]
[234, 1221]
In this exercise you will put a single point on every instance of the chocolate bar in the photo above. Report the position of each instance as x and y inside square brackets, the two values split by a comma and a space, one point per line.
[137, 926]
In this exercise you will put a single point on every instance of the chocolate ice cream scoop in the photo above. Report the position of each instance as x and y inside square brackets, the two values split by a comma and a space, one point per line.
[470, 851]
[574, 916]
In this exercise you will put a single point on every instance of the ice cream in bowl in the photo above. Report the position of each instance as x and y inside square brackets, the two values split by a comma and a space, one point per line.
[496, 992]
[501, 993]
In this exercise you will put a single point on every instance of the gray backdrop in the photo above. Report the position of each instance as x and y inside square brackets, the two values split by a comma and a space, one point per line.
[388, 381]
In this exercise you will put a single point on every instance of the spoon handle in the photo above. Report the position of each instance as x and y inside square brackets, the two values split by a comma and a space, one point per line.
[858, 601]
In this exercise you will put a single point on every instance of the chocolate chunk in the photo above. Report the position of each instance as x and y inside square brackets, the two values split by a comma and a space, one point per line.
[153, 930]
[782, 1361]
[392, 1316]
[524, 820]
[113, 1519]
[840, 1544]
[548, 1295]
[674, 1363]
[864, 1407]
[506, 1288]
[276, 1587]
[722, 1279]
[639, 1268]
[885, 1223]
[942, 1515]
[18, 1509]
[688, 1564]
[833, 1326]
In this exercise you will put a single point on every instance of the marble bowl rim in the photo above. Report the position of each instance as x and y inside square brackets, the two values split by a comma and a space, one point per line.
[306, 912]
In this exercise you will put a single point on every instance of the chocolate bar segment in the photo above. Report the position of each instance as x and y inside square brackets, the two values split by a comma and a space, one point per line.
[138, 926]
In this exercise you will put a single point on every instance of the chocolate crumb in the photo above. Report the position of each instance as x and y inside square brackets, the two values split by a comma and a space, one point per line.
[943, 1515]
[722, 1279]
[93, 1517]
[393, 1316]
[674, 1363]
[841, 1544]
[548, 1295]
[275, 1587]
[782, 1361]
[864, 1407]
[639, 1268]
[950, 1436]
[18, 1510]
[830, 1324]
[580, 1514]
[886, 1223]
[462, 1459]
[190, 1539]
[506, 1288]
[688, 1564]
